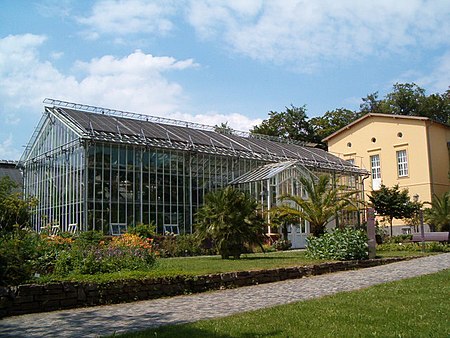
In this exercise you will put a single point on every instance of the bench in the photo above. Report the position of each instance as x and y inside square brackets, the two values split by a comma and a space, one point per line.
[442, 237]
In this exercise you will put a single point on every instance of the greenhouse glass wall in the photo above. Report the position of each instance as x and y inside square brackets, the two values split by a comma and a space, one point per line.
[96, 168]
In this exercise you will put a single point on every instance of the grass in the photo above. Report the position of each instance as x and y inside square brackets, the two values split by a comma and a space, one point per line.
[203, 265]
[416, 307]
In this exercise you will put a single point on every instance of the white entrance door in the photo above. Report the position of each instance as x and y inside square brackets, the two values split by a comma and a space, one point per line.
[297, 234]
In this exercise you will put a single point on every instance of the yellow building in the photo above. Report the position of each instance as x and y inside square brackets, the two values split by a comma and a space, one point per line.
[410, 151]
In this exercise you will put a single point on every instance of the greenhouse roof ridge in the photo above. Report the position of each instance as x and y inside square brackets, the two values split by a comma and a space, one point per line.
[106, 125]
[165, 120]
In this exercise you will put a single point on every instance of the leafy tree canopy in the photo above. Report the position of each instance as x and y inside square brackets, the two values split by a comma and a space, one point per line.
[404, 99]
[290, 124]
[13, 209]
[392, 203]
[223, 128]
[332, 121]
[411, 100]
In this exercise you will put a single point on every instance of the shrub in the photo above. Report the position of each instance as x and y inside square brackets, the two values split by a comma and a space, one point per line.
[399, 239]
[126, 252]
[229, 219]
[144, 230]
[182, 245]
[281, 244]
[341, 244]
[17, 254]
[48, 250]
[414, 247]
[89, 238]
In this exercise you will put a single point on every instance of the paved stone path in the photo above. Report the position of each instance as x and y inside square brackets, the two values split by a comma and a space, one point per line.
[110, 319]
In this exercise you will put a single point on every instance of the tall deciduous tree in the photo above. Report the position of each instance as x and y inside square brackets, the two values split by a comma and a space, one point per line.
[371, 104]
[405, 99]
[392, 203]
[332, 121]
[411, 100]
[438, 216]
[323, 203]
[229, 218]
[290, 124]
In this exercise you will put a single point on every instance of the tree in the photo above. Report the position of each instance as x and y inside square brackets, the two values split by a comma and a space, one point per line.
[13, 209]
[409, 99]
[332, 121]
[405, 99]
[392, 203]
[438, 216]
[229, 218]
[437, 107]
[324, 202]
[223, 128]
[290, 124]
[371, 104]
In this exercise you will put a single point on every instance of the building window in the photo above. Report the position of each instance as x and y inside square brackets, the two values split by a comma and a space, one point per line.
[402, 163]
[376, 167]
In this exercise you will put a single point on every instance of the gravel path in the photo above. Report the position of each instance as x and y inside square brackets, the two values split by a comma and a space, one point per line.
[110, 319]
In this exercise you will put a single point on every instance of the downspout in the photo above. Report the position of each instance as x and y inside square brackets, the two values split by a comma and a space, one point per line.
[363, 197]
[430, 168]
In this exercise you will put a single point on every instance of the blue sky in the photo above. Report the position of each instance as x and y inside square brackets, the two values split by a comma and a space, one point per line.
[213, 61]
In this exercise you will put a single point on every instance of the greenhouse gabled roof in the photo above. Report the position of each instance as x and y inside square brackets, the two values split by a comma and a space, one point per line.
[264, 172]
[107, 125]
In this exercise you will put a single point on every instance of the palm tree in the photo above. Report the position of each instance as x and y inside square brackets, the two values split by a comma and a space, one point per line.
[438, 215]
[323, 203]
[230, 220]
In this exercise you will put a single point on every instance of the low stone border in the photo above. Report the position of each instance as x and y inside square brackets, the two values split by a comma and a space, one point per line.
[30, 298]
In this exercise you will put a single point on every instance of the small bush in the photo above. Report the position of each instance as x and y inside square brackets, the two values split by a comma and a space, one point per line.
[341, 244]
[281, 244]
[126, 252]
[399, 239]
[414, 247]
[47, 252]
[18, 251]
[144, 230]
[181, 246]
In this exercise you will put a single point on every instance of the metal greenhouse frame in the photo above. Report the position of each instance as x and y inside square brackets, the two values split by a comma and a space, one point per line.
[97, 168]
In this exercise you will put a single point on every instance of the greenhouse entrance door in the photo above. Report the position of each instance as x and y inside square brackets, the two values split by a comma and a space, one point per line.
[297, 234]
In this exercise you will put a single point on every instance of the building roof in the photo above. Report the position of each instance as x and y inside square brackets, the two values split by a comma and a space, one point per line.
[9, 168]
[393, 116]
[264, 172]
[107, 125]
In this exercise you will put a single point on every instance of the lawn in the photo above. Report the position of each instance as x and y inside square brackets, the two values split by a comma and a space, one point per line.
[203, 265]
[416, 307]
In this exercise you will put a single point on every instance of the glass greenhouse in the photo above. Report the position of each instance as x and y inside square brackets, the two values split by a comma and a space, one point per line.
[96, 168]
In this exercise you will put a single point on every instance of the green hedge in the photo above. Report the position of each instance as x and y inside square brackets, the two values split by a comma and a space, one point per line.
[341, 244]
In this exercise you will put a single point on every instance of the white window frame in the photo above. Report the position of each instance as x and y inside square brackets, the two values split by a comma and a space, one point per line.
[375, 166]
[402, 163]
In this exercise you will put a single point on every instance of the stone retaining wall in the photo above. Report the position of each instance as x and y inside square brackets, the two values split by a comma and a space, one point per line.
[31, 298]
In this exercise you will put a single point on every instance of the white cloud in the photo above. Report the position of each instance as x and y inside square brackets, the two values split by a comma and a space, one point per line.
[121, 17]
[235, 120]
[51, 8]
[135, 82]
[7, 149]
[439, 79]
[305, 33]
